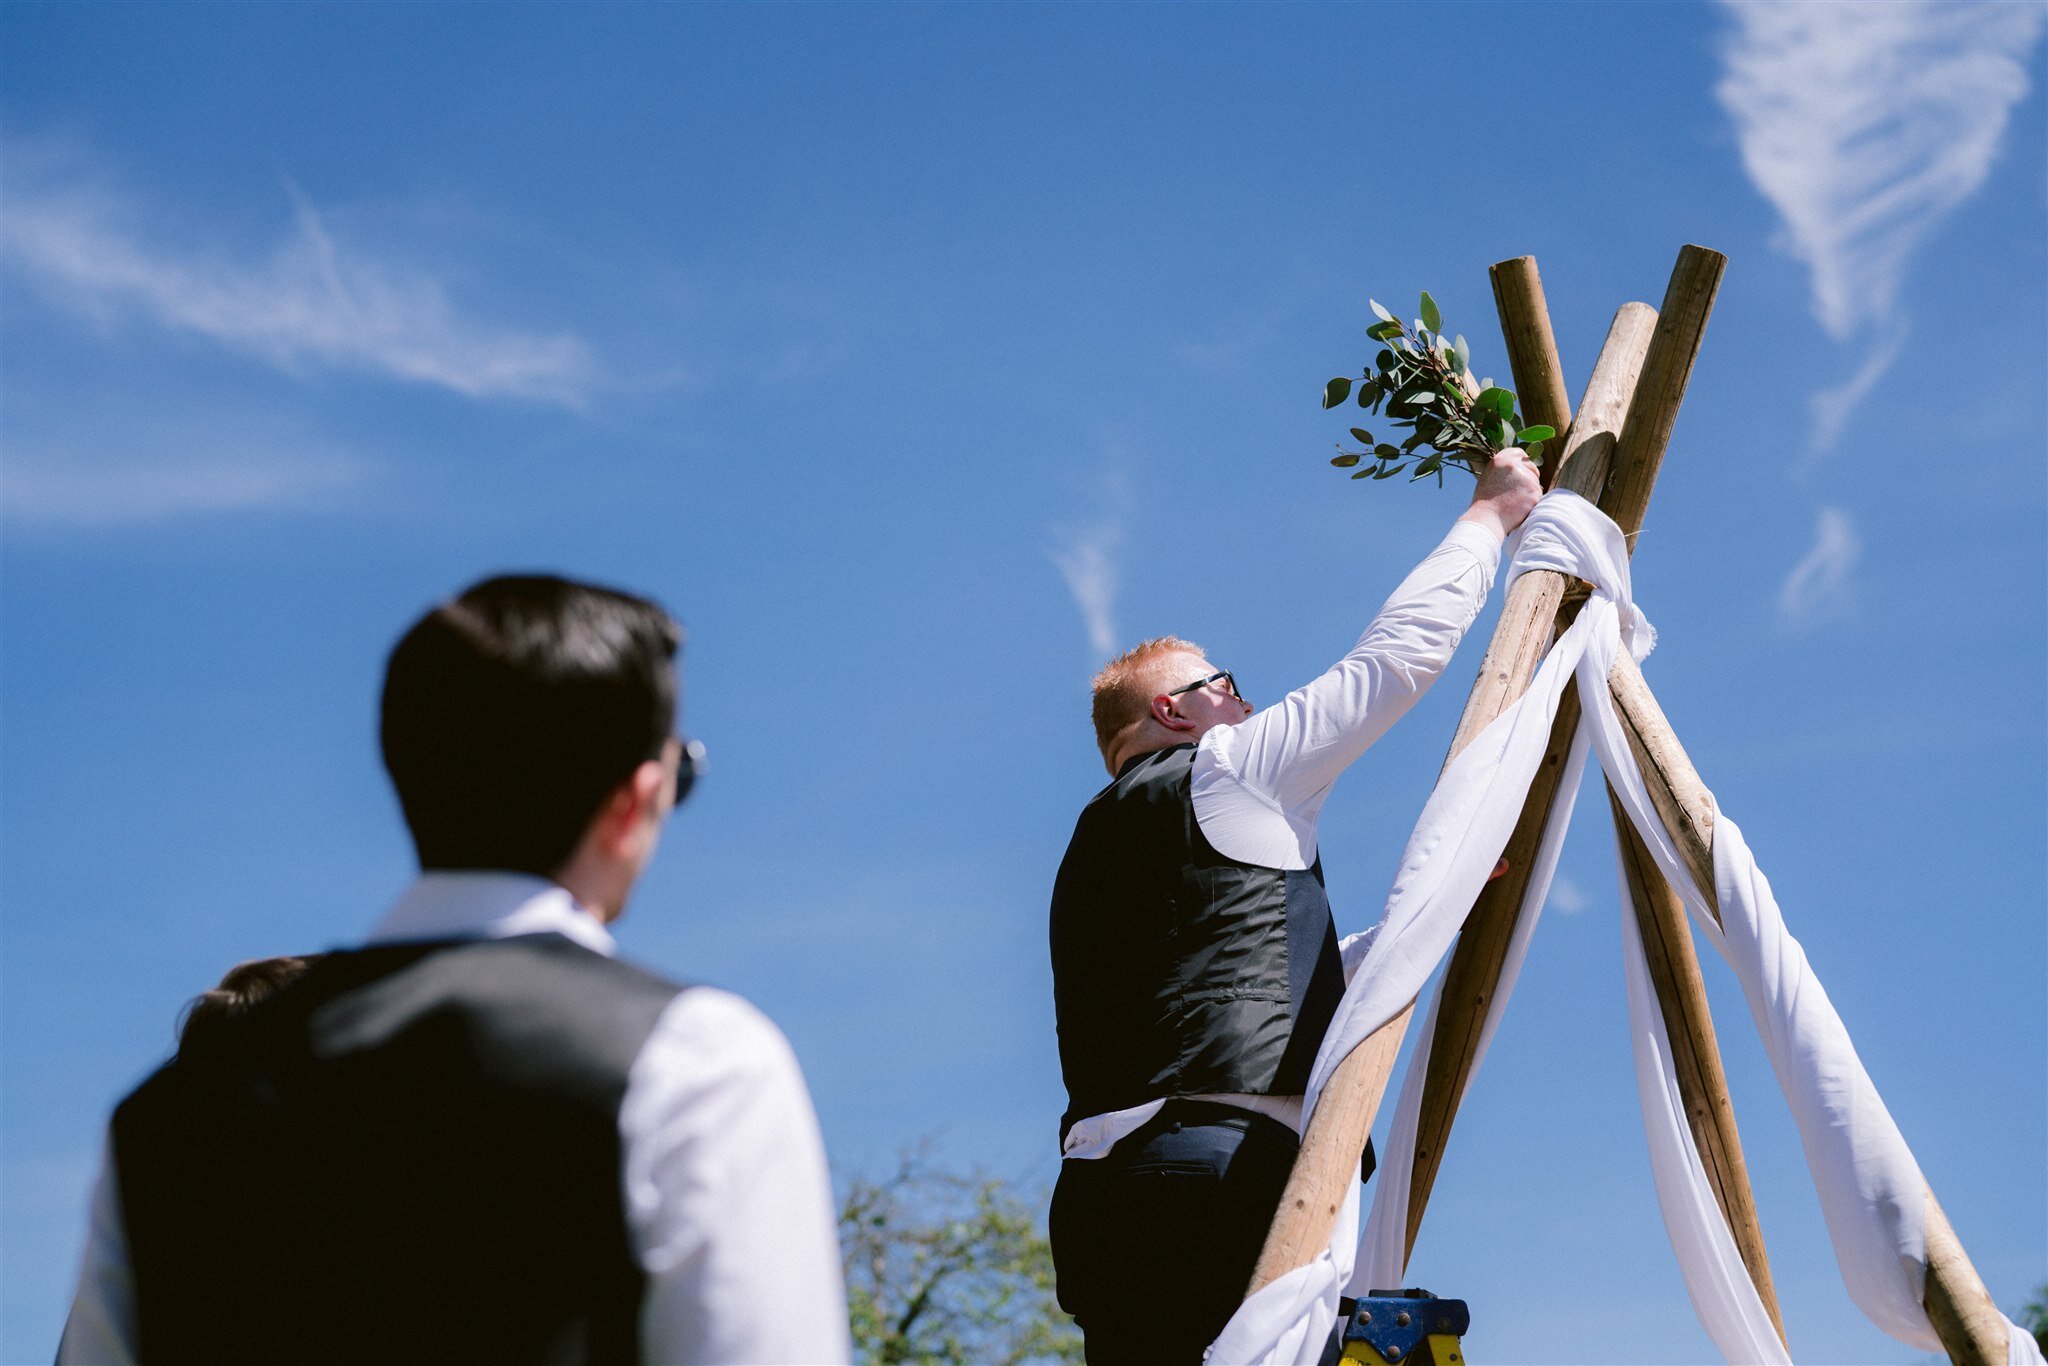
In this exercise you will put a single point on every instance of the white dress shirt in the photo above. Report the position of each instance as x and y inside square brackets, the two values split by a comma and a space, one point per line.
[727, 1196]
[1258, 787]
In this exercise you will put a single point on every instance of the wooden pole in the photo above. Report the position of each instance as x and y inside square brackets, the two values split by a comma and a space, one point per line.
[1695, 1052]
[1532, 350]
[1344, 1115]
[1970, 1327]
[1330, 1151]
[1471, 980]
[1966, 1319]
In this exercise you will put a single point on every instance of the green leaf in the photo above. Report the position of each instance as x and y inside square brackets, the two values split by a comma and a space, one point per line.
[1369, 393]
[1361, 435]
[1412, 442]
[1384, 361]
[1500, 402]
[1346, 460]
[1387, 452]
[1539, 432]
[1464, 355]
[1383, 331]
[1388, 473]
[1431, 319]
[1362, 474]
[1384, 316]
[1336, 391]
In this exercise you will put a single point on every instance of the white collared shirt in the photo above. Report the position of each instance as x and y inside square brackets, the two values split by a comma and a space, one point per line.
[1258, 787]
[727, 1194]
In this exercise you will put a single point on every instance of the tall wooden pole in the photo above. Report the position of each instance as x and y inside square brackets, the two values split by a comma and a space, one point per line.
[1532, 350]
[1695, 1052]
[1968, 1322]
[1336, 1134]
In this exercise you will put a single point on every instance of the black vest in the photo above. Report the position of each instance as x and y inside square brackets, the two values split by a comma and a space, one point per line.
[411, 1154]
[1176, 970]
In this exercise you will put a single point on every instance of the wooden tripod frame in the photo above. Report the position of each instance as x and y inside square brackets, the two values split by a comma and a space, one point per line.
[1612, 453]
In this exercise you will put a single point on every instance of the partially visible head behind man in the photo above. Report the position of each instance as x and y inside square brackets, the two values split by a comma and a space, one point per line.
[1127, 684]
[210, 1015]
[512, 712]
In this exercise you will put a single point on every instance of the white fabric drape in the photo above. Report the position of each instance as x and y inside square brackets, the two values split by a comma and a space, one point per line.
[1871, 1191]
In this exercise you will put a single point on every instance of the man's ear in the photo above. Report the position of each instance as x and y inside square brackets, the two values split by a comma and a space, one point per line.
[625, 812]
[1164, 713]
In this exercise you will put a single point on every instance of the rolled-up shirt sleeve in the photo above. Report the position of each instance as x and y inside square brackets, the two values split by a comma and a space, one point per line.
[727, 1193]
[1287, 756]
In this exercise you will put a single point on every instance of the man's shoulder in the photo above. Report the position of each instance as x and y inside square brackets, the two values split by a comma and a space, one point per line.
[723, 1028]
[1145, 776]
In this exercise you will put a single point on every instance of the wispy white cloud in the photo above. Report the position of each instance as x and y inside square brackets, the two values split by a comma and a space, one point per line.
[1566, 897]
[90, 465]
[1087, 560]
[63, 492]
[1865, 124]
[1819, 585]
[1834, 406]
[312, 299]
[1229, 349]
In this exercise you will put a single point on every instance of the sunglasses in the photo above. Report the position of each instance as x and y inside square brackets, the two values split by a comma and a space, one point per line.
[1220, 676]
[689, 768]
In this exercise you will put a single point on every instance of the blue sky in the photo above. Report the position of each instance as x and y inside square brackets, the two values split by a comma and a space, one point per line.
[917, 355]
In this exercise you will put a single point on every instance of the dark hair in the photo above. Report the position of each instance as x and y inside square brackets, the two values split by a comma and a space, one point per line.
[207, 1016]
[511, 713]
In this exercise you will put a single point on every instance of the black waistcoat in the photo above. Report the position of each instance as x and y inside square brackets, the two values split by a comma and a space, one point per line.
[411, 1154]
[1176, 970]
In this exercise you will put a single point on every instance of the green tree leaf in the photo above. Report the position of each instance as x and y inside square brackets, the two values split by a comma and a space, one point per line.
[1383, 331]
[1384, 316]
[1539, 432]
[1387, 452]
[1431, 319]
[1362, 436]
[1388, 473]
[1336, 391]
[1500, 402]
[1464, 354]
[1346, 460]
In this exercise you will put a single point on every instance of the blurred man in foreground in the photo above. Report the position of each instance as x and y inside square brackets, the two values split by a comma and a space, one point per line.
[480, 1136]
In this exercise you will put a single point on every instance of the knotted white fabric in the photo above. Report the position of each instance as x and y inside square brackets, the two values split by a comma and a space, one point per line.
[1872, 1194]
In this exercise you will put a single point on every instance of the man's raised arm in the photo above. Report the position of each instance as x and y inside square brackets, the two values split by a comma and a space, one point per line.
[1293, 751]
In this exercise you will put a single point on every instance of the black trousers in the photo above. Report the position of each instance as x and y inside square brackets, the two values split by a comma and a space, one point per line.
[1155, 1241]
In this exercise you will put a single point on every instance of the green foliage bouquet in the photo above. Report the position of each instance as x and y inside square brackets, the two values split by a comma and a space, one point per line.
[1424, 383]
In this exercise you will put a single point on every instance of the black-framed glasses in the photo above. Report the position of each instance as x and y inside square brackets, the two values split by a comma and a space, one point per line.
[689, 768]
[1220, 676]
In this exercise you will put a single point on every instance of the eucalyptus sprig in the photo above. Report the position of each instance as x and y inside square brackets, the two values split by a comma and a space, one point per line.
[1425, 384]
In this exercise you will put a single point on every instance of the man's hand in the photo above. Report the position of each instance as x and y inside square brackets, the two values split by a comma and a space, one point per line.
[1508, 488]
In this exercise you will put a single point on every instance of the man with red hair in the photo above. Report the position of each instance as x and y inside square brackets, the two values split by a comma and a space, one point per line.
[1195, 961]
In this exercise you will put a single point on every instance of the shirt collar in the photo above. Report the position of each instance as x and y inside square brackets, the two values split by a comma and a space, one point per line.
[489, 905]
